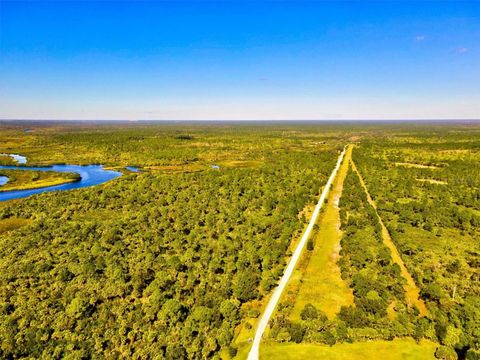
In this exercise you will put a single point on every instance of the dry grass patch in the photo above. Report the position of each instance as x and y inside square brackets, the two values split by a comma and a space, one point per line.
[12, 224]
[240, 164]
[398, 349]
[413, 165]
[433, 181]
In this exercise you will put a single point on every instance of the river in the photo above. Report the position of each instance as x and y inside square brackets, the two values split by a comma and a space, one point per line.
[91, 175]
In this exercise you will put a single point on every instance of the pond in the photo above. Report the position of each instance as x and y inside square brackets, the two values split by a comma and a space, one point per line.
[3, 180]
[133, 169]
[91, 175]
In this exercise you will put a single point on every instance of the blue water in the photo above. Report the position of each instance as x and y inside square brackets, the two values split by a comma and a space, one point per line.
[133, 168]
[91, 175]
[3, 180]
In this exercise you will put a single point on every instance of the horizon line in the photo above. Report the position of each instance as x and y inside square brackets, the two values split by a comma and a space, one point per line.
[246, 120]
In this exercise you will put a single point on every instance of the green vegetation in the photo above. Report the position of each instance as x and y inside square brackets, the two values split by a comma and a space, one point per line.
[177, 261]
[367, 266]
[427, 193]
[397, 349]
[412, 293]
[434, 225]
[160, 263]
[12, 223]
[28, 179]
[7, 160]
[162, 146]
[318, 282]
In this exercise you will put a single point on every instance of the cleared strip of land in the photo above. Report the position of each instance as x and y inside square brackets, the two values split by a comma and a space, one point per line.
[321, 281]
[418, 166]
[411, 289]
[398, 349]
[262, 325]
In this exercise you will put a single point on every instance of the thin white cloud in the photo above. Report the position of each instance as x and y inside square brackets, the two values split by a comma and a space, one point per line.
[462, 50]
[419, 37]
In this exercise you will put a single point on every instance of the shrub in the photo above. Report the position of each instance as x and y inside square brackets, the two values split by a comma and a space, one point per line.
[310, 245]
[232, 351]
[472, 354]
[445, 353]
[296, 332]
[309, 312]
[254, 313]
[329, 338]
[245, 285]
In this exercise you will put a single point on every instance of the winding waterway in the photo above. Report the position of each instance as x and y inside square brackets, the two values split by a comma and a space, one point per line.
[91, 175]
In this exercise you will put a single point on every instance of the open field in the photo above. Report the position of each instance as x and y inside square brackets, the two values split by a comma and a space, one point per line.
[398, 349]
[416, 166]
[7, 160]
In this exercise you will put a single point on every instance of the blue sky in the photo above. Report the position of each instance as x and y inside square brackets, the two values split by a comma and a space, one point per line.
[239, 60]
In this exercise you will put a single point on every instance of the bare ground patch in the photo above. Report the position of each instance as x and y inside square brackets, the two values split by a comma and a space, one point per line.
[413, 165]
[433, 181]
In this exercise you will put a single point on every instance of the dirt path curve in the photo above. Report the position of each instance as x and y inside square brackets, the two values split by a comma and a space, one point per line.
[411, 289]
[272, 303]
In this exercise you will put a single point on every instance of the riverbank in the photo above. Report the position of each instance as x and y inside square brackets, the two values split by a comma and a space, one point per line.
[30, 179]
[80, 176]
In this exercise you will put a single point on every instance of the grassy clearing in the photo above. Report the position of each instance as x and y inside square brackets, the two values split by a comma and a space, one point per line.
[386, 350]
[240, 164]
[418, 166]
[245, 332]
[412, 292]
[27, 179]
[12, 224]
[7, 160]
[177, 168]
[320, 283]
[197, 166]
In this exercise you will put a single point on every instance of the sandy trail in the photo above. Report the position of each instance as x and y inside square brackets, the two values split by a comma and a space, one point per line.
[411, 289]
